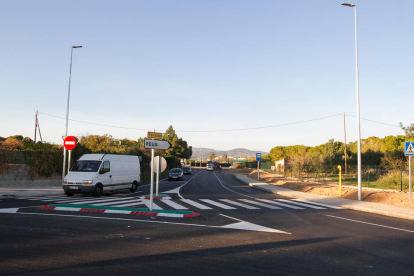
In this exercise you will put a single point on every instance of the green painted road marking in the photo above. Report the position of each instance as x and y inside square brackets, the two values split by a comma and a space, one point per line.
[121, 208]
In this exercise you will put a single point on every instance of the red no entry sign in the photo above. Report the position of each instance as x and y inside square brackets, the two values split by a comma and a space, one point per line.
[69, 143]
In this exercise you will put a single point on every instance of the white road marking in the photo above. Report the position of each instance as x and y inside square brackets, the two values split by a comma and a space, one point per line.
[400, 229]
[94, 201]
[301, 204]
[317, 203]
[174, 205]
[209, 201]
[231, 189]
[124, 203]
[9, 210]
[260, 204]
[236, 226]
[177, 190]
[154, 206]
[196, 204]
[281, 204]
[239, 204]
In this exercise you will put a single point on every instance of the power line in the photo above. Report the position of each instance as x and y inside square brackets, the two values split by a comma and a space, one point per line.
[374, 121]
[221, 130]
[92, 123]
[249, 128]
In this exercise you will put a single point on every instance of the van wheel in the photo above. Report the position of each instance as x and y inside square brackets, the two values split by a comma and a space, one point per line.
[98, 191]
[68, 194]
[134, 187]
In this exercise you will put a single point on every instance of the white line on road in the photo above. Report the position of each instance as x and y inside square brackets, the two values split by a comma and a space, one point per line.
[174, 205]
[239, 204]
[301, 204]
[196, 204]
[319, 204]
[124, 203]
[209, 201]
[235, 226]
[260, 204]
[231, 189]
[281, 204]
[371, 224]
[177, 190]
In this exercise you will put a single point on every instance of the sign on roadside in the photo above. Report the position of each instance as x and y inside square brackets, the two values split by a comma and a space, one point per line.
[258, 157]
[70, 142]
[156, 144]
[409, 148]
[154, 135]
[409, 151]
[160, 164]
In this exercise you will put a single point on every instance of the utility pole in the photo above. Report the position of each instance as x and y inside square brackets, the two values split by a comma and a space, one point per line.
[346, 168]
[37, 126]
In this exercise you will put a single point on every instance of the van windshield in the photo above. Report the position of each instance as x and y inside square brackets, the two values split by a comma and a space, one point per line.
[86, 166]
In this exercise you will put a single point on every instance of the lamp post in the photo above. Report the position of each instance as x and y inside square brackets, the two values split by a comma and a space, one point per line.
[358, 113]
[67, 110]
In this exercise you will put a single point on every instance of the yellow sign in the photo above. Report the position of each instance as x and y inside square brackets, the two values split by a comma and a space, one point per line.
[154, 135]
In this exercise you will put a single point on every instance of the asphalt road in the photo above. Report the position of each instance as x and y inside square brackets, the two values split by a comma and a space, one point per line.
[235, 234]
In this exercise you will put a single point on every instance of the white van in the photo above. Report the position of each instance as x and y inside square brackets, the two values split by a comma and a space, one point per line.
[98, 173]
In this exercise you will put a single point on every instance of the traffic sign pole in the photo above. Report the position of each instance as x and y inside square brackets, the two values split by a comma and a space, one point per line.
[409, 151]
[64, 161]
[152, 178]
[409, 175]
[70, 155]
[69, 143]
[158, 174]
[258, 159]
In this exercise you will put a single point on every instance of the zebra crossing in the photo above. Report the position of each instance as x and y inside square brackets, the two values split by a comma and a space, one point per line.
[186, 204]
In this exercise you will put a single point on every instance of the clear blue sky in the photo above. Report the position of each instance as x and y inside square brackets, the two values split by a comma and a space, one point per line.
[206, 65]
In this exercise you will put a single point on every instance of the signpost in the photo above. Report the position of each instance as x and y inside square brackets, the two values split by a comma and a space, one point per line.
[409, 151]
[160, 164]
[69, 143]
[154, 135]
[154, 144]
[258, 159]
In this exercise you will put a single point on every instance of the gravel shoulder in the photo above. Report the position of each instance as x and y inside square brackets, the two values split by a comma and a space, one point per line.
[395, 198]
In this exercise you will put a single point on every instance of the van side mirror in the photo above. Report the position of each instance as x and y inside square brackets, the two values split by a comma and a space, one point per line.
[102, 171]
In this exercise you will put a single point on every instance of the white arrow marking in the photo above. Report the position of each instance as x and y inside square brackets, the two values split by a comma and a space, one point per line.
[9, 210]
[241, 225]
[244, 225]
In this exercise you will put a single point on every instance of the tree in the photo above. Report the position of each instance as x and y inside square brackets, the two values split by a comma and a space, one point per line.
[97, 143]
[27, 141]
[277, 153]
[393, 159]
[17, 137]
[12, 143]
[179, 147]
[212, 156]
[409, 131]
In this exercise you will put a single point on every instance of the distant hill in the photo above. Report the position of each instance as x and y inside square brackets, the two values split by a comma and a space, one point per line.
[240, 152]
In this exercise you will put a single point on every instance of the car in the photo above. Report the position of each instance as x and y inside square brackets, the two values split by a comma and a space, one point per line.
[210, 167]
[175, 174]
[186, 170]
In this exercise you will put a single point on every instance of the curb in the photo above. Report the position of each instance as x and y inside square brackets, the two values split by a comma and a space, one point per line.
[120, 210]
[369, 207]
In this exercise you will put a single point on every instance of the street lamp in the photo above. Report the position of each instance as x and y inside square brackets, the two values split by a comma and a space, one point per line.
[358, 115]
[67, 110]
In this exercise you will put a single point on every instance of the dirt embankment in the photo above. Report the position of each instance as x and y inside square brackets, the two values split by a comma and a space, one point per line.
[396, 198]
